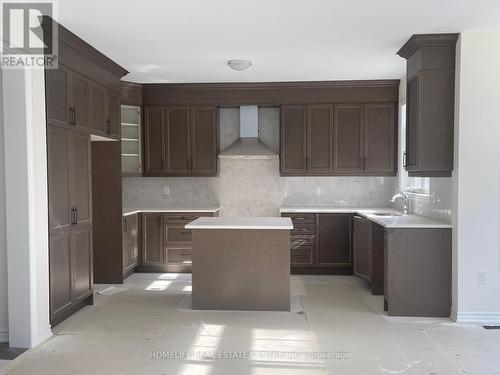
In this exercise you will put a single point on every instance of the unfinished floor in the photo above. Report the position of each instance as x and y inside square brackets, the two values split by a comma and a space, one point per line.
[138, 331]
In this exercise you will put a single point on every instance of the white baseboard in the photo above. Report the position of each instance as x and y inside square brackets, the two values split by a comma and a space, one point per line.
[482, 318]
[4, 336]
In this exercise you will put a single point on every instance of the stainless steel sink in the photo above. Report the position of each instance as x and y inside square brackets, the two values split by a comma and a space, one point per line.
[388, 214]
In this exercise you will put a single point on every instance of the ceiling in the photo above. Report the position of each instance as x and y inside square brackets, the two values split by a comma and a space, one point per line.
[287, 40]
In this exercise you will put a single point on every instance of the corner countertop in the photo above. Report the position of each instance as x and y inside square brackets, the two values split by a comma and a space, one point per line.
[130, 210]
[280, 223]
[400, 221]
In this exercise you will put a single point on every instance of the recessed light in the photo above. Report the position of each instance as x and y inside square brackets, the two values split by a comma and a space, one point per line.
[239, 64]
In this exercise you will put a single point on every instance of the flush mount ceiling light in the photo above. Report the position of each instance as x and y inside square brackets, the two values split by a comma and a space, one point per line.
[239, 64]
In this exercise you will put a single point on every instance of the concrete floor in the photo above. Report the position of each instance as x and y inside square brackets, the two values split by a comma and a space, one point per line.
[136, 331]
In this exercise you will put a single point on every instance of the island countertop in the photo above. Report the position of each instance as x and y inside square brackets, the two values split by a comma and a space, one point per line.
[280, 223]
[135, 210]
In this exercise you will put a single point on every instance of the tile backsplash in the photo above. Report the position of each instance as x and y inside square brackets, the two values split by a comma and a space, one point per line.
[247, 187]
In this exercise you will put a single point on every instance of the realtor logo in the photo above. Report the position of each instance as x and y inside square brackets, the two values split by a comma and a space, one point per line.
[24, 44]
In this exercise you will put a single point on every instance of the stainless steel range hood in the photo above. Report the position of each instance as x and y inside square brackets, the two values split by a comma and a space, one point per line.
[249, 146]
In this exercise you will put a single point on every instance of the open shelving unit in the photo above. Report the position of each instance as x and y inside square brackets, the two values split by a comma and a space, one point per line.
[131, 140]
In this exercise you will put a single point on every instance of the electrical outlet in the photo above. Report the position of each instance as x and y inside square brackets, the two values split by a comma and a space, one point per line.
[318, 191]
[166, 190]
[481, 278]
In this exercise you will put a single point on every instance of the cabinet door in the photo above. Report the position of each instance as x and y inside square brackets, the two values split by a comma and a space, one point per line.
[348, 125]
[334, 241]
[82, 178]
[379, 139]
[154, 134]
[98, 124]
[204, 140]
[126, 243]
[412, 105]
[80, 101]
[61, 282]
[152, 239]
[320, 139]
[57, 98]
[59, 178]
[293, 153]
[81, 252]
[177, 140]
[113, 114]
[133, 225]
[361, 247]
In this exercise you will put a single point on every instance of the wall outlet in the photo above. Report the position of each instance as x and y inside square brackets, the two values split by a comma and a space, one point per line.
[482, 278]
[166, 190]
[318, 191]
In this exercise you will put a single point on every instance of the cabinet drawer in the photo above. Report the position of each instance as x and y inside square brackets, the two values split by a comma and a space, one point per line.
[183, 217]
[177, 233]
[300, 218]
[303, 228]
[178, 255]
[298, 242]
[302, 257]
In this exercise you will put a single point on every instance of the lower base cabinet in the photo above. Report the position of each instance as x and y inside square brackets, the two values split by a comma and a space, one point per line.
[130, 243]
[417, 272]
[71, 282]
[166, 244]
[320, 243]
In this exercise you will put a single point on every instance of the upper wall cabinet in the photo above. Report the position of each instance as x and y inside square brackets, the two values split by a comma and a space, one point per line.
[341, 139]
[67, 98]
[306, 134]
[105, 109]
[180, 141]
[430, 94]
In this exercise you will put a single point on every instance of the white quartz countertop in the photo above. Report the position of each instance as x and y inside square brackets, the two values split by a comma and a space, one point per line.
[283, 223]
[135, 210]
[397, 221]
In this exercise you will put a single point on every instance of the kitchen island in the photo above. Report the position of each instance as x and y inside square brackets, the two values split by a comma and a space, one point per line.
[241, 263]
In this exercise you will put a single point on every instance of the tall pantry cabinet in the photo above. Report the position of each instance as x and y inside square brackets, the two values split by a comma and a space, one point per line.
[71, 121]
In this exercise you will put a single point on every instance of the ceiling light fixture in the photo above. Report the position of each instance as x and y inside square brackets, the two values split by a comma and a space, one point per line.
[239, 64]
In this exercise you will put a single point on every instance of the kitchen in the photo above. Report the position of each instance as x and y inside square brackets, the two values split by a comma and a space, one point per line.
[308, 223]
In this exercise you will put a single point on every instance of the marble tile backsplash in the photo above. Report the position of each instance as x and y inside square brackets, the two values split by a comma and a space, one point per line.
[438, 204]
[254, 188]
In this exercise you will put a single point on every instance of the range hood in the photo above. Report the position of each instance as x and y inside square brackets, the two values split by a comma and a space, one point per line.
[249, 146]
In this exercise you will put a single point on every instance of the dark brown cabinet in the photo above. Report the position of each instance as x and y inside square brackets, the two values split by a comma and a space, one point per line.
[430, 111]
[338, 140]
[130, 242]
[320, 243]
[154, 140]
[70, 223]
[67, 98]
[319, 139]
[306, 140]
[79, 101]
[348, 124]
[379, 139]
[152, 239]
[204, 142]
[180, 141]
[334, 241]
[361, 234]
[178, 145]
[166, 243]
[365, 139]
[105, 112]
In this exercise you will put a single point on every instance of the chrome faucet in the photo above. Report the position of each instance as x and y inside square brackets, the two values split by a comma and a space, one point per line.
[404, 197]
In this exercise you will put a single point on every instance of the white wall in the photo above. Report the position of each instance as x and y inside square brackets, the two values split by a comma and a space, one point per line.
[4, 321]
[477, 178]
[26, 206]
